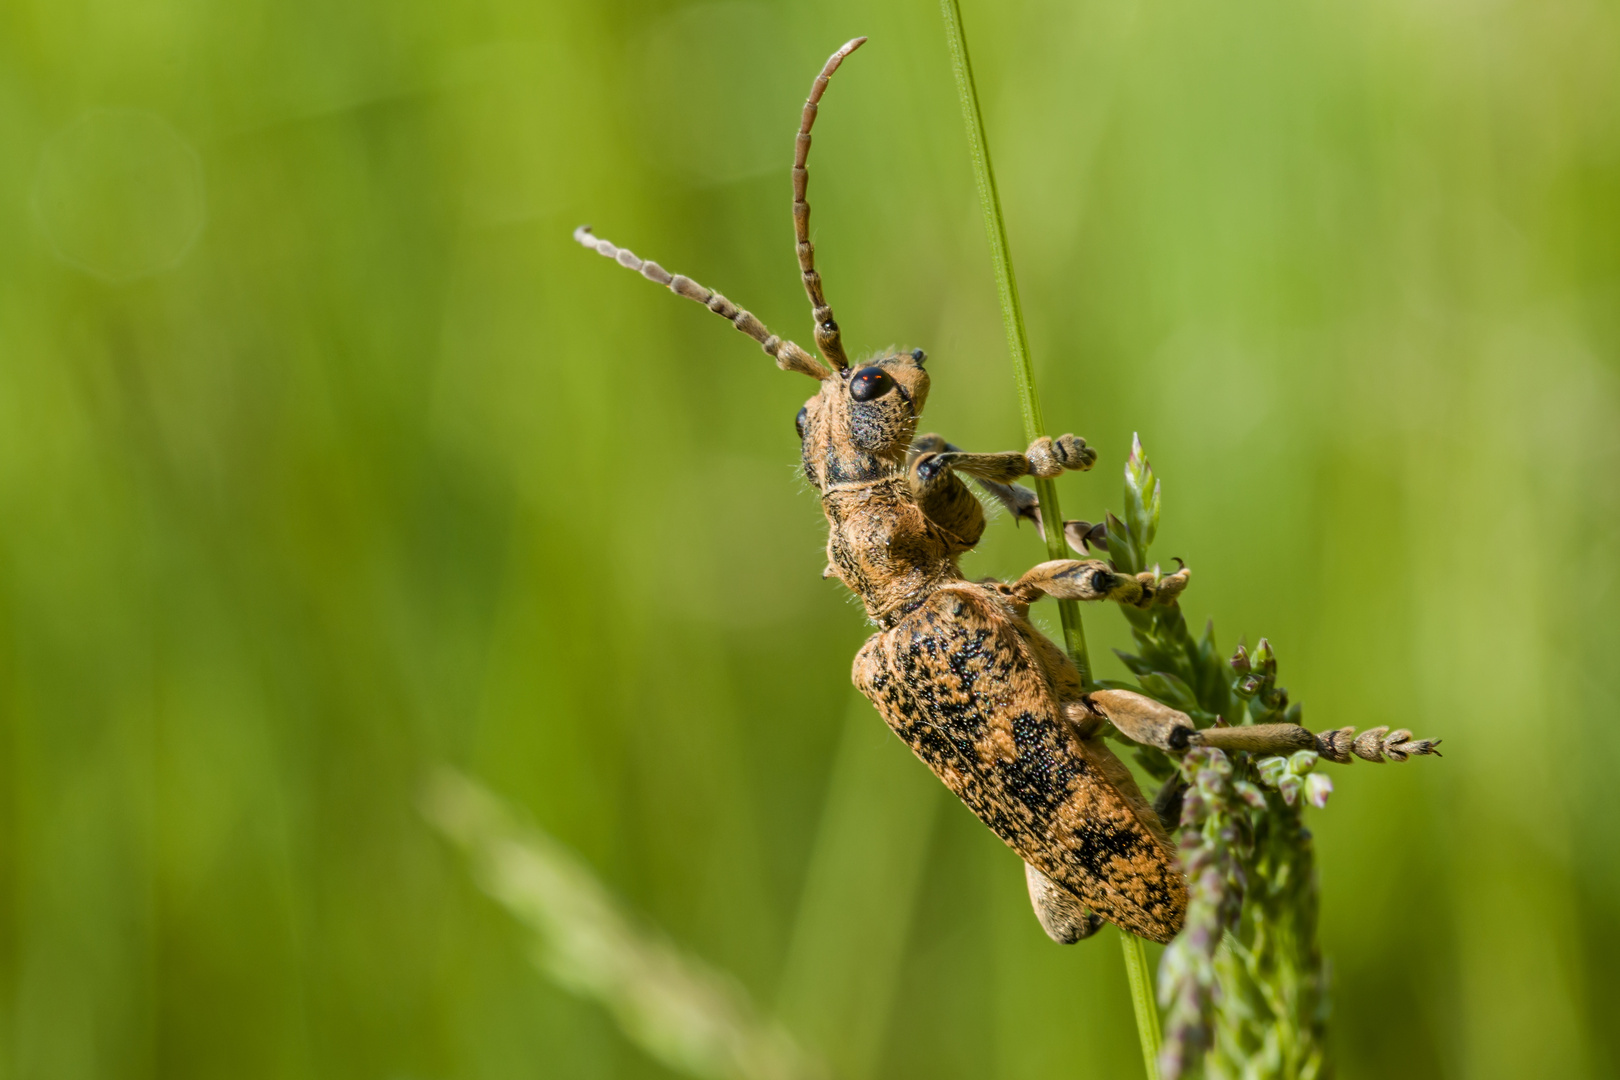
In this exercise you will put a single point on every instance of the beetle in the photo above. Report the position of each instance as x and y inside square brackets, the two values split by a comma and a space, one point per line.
[956, 668]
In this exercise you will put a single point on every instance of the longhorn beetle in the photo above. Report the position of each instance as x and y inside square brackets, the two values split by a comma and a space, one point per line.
[993, 707]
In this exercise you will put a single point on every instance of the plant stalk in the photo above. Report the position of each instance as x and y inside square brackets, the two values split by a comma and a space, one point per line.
[1012, 316]
[1147, 1011]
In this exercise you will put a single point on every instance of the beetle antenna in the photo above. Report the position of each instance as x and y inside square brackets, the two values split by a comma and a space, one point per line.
[788, 356]
[827, 337]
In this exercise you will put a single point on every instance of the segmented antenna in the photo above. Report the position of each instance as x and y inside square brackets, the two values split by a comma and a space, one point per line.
[788, 356]
[827, 338]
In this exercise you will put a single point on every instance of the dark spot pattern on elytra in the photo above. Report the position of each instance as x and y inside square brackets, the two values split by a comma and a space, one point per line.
[955, 681]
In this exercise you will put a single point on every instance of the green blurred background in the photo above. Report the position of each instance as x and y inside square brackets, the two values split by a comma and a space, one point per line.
[326, 456]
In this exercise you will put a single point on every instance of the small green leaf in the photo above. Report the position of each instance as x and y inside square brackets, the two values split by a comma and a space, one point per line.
[1301, 762]
[1169, 689]
[1156, 763]
[1138, 666]
[1265, 658]
[1272, 770]
[1141, 496]
[1253, 796]
[1124, 552]
[1206, 643]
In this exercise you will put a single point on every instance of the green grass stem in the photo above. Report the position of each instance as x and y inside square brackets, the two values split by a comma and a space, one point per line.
[1147, 1012]
[1136, 966]
[1012, 317]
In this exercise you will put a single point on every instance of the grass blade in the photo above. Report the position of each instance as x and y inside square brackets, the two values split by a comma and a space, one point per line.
[1012, 317]
[1147, 1016]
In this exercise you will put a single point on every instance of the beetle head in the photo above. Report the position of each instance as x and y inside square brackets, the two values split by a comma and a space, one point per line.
[864, 418]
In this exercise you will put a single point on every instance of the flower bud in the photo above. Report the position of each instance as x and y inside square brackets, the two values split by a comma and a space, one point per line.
[1253, 796]
[1265, 658]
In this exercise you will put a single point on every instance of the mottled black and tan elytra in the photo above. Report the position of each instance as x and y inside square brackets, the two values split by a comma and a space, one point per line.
[956, 669]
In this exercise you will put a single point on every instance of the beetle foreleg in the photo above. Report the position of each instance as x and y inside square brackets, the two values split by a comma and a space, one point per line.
[1049, 457]
[1018, 501]
[942, 496]
[1069, 452]
[1045, 457]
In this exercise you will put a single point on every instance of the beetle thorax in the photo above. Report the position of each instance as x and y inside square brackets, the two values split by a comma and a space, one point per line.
[883, 548]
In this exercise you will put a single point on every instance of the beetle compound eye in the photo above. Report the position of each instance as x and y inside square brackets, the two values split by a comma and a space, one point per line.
[869, 383]
[799, 421]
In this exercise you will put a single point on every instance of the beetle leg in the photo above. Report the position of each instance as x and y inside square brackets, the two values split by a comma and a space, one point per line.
[931, 443]
[1019, 501]
[942, 495]
[1077, 579]
[1093, 579]
[1168, 802]
[1050, 457]
[1083, 536]
[1141, 719]
[1045, 457]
